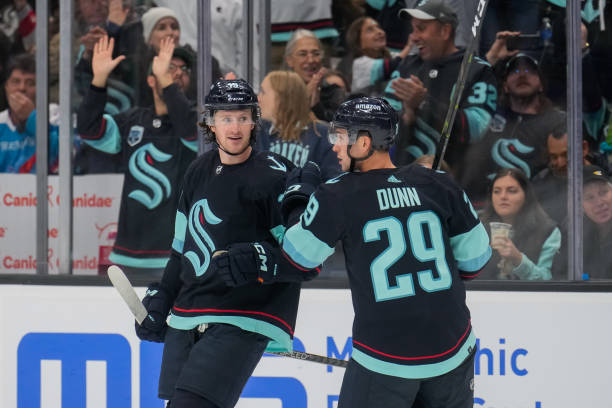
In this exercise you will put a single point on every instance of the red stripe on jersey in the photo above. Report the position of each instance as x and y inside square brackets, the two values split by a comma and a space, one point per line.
[418, 358]
[288, 258]
[235, 311]
[277, 28]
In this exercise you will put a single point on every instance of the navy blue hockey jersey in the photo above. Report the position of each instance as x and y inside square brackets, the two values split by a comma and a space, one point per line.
[410, 236]
[312, 146]
[155, 151]
[222, 204]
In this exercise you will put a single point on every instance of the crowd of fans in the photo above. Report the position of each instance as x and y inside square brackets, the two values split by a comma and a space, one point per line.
[508, 145]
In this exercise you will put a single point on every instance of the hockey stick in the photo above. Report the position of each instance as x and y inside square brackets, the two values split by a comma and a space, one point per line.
[468, 57]
[129, 296]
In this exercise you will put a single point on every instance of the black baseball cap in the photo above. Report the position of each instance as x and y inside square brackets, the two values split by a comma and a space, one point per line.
[431, 10]
[524, 58]
[185, 53]
[592, 174]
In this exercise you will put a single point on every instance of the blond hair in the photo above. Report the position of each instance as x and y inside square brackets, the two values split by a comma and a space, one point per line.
[293, 104]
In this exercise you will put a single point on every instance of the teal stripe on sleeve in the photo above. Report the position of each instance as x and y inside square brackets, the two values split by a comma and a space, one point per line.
[478, 120]
[110, 142]
[471, 249]
[416, 371]
[279, 339]
[305, 248]
[180, 228]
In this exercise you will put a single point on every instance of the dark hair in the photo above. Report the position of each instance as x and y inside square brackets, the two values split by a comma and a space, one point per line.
[530, 214]
[23, 62]
[353, 39]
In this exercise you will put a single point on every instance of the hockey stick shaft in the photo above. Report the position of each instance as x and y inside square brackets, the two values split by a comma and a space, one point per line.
[130, 297]
[468, 57]
[312, 357]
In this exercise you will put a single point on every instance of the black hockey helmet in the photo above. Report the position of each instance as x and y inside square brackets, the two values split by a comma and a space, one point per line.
[373, 115]
[230, 94]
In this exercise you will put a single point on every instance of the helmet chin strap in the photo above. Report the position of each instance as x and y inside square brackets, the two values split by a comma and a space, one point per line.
[230, 153]
[356, 159]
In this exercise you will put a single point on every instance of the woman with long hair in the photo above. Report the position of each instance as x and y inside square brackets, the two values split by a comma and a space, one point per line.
[528, 252]
[289, 128]
[369, 63]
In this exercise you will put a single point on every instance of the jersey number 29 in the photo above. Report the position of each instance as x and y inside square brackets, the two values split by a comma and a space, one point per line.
[421, 251]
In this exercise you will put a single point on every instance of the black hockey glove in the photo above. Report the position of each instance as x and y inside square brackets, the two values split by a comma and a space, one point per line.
[249, 262]
[158, 303]
[301, 183]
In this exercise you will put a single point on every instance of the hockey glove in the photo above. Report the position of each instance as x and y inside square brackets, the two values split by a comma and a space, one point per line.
[248, 262]
[301, 183]
[158, 303]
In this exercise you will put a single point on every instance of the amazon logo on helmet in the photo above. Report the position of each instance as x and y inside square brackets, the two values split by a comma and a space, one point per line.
[373, 115]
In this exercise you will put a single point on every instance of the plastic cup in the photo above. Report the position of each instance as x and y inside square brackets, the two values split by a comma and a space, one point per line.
[499, 231]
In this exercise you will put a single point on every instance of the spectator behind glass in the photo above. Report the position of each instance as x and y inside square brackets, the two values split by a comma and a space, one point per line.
[289, 128]
[95, 19]
[18, 121]
[155, 145]
[597, 206]
[304, 55]
[369, 62]
[535, 240]
[423, 83]
[516, 136]
[550, 184]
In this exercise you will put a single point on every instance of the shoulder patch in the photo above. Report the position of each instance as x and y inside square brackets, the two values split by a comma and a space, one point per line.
[335, 179]
[277, 165]
[135, 135]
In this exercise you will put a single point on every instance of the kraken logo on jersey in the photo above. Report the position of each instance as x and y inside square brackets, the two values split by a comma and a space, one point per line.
[277, 165]
[427, 137]
[200, 214]
[141, 168]
[504, 153]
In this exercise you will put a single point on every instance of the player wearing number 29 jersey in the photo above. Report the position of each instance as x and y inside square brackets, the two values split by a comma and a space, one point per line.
[410, 237]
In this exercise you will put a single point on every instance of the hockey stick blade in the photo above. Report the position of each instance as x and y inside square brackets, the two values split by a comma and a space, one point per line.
[468, 57]
[127, 293]
[129, 296]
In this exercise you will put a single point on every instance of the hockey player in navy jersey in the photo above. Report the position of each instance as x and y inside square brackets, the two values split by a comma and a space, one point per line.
[410, 237]
[217, 334]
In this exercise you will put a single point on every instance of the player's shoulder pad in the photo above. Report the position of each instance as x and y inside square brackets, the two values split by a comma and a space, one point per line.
[418, 174]
[337, 179]
[274, 162]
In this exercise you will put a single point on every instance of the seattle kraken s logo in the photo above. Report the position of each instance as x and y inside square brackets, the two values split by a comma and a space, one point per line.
[504, 153]
[199, 215]
[141, 167]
